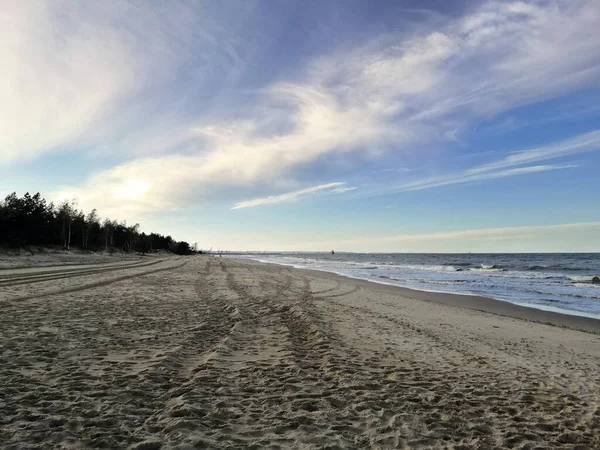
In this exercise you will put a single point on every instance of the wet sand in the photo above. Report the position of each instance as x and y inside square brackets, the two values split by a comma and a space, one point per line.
[206, 352]
[476, 302]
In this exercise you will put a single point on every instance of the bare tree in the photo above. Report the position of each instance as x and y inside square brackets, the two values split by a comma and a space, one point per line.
[109, 230]
[89, 222]
[131, 234]
[66, 211]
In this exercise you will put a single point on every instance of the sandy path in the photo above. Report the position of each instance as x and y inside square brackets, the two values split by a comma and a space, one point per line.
[215, 353]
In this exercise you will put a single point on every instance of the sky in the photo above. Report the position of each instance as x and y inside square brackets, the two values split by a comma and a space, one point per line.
[379, 126]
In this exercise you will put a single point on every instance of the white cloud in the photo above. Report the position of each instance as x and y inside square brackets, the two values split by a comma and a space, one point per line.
[98, 77]
[390, 94]
[487, 62]
[55, 86]
[334, 188]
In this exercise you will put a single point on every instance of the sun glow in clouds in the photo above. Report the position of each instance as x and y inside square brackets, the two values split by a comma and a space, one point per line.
[132, 190]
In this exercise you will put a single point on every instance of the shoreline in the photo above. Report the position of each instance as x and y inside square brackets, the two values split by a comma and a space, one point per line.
[467, 301]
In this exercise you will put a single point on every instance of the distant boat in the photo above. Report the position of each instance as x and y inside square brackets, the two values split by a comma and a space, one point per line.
[332, 252]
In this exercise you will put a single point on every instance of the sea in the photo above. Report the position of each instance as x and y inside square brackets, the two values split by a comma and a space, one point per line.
[560, 282]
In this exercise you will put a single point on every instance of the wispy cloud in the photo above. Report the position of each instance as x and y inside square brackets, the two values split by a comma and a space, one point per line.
[101, 77]
[47, 100]
[332, 188]
[509, 165]
[391, 93]
[583, 143]
[469, 177]
[344, 189]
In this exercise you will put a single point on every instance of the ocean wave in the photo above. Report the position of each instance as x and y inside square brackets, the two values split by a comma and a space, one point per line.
[428, 268]
[531, 276]
[537, 268]
[484, 268]
[552, 300]
[588, 279]
[566, 295]
[446, 282]
[587, 285]
[542, 279]
[556, 267]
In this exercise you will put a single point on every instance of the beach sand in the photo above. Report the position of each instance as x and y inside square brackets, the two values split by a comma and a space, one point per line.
[206, 352]
[38, 257]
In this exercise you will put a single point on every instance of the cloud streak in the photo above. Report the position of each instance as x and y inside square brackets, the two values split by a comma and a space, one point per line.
[470, 177]
[509, 165]
[586, 142]
[332, 188]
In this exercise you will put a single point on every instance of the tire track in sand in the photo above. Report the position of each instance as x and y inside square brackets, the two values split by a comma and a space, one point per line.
[91, 285]
[16, 279]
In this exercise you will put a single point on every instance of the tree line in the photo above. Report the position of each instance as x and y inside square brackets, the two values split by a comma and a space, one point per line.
[31, 220]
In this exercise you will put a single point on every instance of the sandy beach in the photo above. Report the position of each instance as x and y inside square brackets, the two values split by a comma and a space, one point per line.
[204, 352]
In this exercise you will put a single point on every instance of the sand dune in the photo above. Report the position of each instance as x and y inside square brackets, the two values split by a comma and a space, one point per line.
[208, 352]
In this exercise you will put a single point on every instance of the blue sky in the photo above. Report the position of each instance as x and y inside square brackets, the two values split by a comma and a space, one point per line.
[363, 126]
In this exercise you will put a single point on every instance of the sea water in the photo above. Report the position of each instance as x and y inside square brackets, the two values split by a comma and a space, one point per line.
[555, 282]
